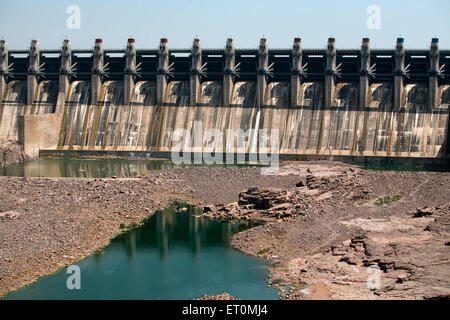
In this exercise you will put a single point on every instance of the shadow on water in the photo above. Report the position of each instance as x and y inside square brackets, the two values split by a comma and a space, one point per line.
[175, 254]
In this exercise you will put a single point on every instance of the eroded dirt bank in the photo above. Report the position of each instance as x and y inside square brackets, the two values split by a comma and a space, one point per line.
[327, 223]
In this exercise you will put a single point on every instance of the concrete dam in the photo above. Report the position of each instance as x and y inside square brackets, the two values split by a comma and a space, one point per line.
[325, 103]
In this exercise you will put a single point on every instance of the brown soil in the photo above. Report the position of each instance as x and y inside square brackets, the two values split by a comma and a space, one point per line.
[335, 224]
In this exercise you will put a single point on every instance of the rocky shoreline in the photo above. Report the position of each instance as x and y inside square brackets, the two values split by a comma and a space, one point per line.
[327, 224]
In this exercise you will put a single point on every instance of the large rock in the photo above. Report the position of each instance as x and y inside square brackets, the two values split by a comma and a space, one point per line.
[263, 202]
[425, 211]
[262, 199]
[9, 215]
[10, 152]
[312, 182]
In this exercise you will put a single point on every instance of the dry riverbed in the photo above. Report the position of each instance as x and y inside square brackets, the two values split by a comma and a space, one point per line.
[327, 224]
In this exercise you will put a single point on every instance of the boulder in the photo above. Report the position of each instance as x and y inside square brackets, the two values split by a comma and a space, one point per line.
[312, 181]
[9, 215]
[422, 212]
[300, 184]
[208, 208]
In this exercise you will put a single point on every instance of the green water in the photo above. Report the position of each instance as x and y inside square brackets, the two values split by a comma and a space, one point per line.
[87, 168]
[174, 255]
[83, 168]
[107, 168]
[404, 167]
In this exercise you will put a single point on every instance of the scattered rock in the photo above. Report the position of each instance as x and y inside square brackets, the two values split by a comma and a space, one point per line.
[208, 208]
[9, 215]
[324, 196]
[339, 251]
[84, 214]
[262, 202]
[440, 225]
[350, 259]
[223, 296]
[422, 212]
[300, 184]
[312, 181]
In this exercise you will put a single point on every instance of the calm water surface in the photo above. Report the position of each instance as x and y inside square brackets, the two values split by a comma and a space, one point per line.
[88, 168]
[174, 255]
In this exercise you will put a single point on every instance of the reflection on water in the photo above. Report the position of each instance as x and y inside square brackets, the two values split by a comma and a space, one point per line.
[88, 168]
[174, 255]
[83, 168]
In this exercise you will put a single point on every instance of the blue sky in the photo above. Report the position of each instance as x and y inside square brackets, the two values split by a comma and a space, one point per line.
[214, 21]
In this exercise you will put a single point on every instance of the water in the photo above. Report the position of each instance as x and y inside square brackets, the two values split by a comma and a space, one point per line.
[174, 255]
[91, 168]
[83, 168]
[404, 167]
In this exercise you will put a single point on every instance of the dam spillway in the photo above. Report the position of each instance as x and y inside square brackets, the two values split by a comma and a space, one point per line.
[322, 102]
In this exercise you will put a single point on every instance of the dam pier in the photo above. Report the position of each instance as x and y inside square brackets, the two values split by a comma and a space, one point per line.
[345, 104]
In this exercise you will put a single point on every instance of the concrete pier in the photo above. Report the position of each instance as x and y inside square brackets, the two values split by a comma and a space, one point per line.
[332, 109]
[399, 72]
[329, 87]
[33, 70]
[434, 69]
[263, 66]
[364, 73]
[64, 74]
[296, 78]
[196, 65]
[3, 67]
[329, 72]
[162, 72]
[228, 78]
[97, 69]
[130, 69]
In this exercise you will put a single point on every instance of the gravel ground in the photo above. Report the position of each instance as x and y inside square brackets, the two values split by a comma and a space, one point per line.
[47, 224]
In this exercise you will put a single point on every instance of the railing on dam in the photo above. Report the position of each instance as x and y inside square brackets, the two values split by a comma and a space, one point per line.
[418, 59]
